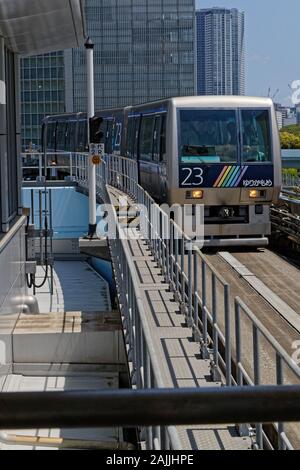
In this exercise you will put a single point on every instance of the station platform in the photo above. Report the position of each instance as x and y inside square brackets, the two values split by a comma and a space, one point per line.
[75, 343]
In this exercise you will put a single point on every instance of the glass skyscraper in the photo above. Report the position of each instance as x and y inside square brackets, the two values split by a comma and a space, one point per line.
[144, 50]
[42, 93]
[220, 52]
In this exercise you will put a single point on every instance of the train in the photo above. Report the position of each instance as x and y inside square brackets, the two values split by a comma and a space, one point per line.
[222, 152]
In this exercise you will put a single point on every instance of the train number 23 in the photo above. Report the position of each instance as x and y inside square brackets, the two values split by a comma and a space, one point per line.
[192, 176]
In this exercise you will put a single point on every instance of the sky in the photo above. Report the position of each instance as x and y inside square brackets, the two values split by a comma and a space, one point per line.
[272, 44]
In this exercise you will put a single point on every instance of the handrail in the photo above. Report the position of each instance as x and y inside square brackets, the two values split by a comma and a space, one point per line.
[132, 408]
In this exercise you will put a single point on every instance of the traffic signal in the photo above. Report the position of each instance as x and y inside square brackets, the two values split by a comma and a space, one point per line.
[96, 135]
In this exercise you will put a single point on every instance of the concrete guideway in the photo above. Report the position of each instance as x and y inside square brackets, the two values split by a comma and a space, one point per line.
[290, 315]
[177, 352]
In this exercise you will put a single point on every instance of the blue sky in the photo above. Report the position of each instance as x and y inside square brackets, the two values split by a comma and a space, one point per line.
[272, 44]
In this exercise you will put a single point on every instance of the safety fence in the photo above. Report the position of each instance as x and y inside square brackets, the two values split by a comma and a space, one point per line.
[290, 180]
[207, 304]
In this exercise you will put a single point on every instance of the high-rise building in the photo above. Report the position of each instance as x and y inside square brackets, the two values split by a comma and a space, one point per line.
[42, 93]
[144, 50]
[220, 51]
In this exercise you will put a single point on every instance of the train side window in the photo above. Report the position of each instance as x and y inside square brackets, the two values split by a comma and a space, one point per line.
[157, 139]
[136, 137]
[68, 139]
[53, 135]
[103, 128]
[109, 137]
[163, 145]
[82, 136]
[49, 135]
[130, 138]
[146, 138]
[72, 135]
[61, 135]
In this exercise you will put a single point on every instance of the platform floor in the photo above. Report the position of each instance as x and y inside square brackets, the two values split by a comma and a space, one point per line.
[177, 352]
[77, 287]
[68, 381]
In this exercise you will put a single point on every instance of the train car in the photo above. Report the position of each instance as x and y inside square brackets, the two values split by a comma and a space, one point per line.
[68, 132]
[220, 151]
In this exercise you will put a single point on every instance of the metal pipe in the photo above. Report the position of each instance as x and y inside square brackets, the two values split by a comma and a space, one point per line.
[90, 113]
[132, 408]
[41, 226]
[62, 443]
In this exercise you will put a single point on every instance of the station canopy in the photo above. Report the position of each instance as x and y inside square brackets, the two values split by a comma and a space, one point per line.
[38, 26]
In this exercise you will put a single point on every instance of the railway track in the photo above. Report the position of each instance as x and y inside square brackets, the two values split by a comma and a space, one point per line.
[273, 296]
[285, 220]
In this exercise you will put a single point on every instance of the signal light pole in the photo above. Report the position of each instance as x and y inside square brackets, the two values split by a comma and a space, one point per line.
[89, 46]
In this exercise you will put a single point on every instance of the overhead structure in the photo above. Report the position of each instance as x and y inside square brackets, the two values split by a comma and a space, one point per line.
[41, 26]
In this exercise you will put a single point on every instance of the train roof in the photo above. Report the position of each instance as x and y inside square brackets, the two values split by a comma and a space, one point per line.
[211, 101]
[182, 102]
[230, 101]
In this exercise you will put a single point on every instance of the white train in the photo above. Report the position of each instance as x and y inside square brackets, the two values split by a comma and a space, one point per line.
[220, 151]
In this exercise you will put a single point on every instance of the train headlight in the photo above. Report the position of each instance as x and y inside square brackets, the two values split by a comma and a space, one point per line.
[254, 194]
[197, 194]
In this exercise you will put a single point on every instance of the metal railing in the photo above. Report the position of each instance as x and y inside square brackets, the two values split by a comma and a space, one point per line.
[145, 367]
[284, 368]
[289, 180]
[132, 408]
[141, 354]
[204, 297]
[52, 166]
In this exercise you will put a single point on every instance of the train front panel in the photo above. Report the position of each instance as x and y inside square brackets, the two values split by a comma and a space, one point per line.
[225, 155]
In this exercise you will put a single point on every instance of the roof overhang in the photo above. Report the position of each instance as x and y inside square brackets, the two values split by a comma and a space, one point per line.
[40, 26]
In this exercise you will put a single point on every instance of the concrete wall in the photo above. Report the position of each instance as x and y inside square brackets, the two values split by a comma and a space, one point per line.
[12, 268]
[12, 286]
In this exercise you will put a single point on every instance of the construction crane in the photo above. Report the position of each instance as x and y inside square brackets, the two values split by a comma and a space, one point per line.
[275, 94]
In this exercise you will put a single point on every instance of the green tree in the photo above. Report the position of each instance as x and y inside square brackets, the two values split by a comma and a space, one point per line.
[289, 141]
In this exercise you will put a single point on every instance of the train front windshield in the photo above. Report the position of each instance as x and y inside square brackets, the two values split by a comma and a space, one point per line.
[224, 136]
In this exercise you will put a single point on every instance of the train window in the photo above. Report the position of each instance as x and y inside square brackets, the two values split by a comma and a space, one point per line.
[156, 139]
[82, 136]
[49, 135]
[136, 137]
[130, 138]
[61, 135]
[159, 139]
[163, 142]
[109, 137]
[208, 136]
[146, 138]
[72, 135]
[256, 135]
[103, 128]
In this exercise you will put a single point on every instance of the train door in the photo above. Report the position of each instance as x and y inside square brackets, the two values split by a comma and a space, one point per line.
[159, 155]
[146, 143]
[156, 166]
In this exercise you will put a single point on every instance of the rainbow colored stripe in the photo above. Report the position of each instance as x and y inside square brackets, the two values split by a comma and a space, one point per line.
[230, 176]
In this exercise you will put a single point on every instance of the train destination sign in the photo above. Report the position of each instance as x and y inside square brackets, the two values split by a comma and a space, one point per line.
[226, 176]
